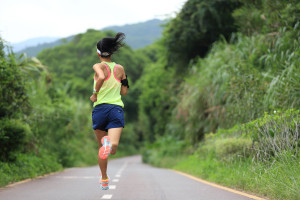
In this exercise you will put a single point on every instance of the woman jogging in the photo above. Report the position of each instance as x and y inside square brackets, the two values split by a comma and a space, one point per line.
[110, 83]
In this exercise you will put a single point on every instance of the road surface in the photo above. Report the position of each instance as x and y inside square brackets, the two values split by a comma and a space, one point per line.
[130, 180]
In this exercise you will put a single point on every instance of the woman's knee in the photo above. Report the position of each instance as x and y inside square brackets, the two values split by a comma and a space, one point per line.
[114, 148]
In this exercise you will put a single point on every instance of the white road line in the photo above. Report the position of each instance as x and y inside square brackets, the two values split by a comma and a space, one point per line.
[107, 196]
[118, 175]
[76, 177]
[89, 177]
[112, 187]
[115, 180]
[122, 168]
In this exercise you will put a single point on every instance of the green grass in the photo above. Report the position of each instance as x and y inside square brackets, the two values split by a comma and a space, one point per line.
[278, 179]
[27, 166]
[260, 157]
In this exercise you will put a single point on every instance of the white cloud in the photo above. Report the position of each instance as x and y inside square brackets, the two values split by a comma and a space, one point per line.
[20, 20]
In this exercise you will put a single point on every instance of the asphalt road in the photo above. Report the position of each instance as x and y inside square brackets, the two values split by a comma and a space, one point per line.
[130, 180]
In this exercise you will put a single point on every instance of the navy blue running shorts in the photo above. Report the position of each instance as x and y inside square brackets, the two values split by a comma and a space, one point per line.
[106, 116]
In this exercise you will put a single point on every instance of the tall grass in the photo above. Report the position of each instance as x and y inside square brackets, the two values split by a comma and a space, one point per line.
[274, 135]
[237, 82]
[277, 179]
[261, 156]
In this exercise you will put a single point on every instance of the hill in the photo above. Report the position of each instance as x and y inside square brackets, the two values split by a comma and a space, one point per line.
[137, 36]
[141, 34]
[32, 42]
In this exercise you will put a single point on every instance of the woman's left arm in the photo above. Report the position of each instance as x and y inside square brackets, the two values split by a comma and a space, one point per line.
[123, 88]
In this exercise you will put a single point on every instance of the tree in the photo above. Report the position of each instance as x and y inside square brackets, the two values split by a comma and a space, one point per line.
[196, 27]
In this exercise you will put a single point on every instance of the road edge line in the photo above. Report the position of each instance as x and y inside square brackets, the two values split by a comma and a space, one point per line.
[30, 179]
[217, 186]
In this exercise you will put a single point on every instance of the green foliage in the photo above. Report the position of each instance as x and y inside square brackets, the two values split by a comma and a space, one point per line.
[15, 135]
[28, 166]
[62, 125]
[230, 148]
[277, 179]
[54, 132]
[13, 98]
[164, 147]
[196, 27]
[228, 157]
[238, 82]
[266, 16]
[155, 101]
[275, 134]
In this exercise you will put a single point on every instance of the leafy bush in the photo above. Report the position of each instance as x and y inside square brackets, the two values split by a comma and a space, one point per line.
[163, 147]
[14, 137]
[13, 98]
[27, 166]
[263, 139]
[233, 148]
[275, 134]
[56, 130]
[61, 124]
[155, 101]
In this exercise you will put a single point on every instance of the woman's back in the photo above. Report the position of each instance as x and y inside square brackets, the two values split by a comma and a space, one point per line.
[110, 90]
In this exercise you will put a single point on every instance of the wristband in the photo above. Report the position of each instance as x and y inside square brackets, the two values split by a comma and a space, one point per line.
[95, 92]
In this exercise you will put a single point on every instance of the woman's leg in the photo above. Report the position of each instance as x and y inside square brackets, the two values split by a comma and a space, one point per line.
[102, 163]
[114, 135]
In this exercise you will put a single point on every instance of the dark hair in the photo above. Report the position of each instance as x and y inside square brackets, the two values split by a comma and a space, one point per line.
[108, 46]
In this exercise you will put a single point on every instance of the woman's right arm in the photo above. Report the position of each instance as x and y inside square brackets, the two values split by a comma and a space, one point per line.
[100, 77]
[99, 82]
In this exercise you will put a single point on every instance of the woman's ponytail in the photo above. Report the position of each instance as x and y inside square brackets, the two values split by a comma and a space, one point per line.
[118, 41]
[108, 46]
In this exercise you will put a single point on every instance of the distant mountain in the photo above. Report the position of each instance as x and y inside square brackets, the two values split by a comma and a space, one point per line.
[141, 34]
[137, 36]
[32, 42]
[32, 51]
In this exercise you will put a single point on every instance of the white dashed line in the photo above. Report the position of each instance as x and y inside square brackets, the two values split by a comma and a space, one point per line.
[115, 180]
[118, 175]
[112, 187]
[107, 196]
[76, 177]
[89, 177]
[122, 168]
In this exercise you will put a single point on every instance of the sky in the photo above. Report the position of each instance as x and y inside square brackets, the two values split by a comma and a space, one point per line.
[21, 20]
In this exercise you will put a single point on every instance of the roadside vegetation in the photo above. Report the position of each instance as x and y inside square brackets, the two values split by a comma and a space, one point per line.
[229, 114]
[218, 96]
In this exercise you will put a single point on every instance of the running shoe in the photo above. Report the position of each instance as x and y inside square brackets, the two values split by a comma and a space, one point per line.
[105, 150]
[104, 183]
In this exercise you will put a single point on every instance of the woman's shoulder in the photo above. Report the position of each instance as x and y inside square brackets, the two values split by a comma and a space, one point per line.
[120, 66]
[101, 65]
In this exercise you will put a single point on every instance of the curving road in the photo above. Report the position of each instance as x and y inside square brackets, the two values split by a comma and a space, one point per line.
[130, 180]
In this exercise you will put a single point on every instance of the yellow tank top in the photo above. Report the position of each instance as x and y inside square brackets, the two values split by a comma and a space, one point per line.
[110, 90]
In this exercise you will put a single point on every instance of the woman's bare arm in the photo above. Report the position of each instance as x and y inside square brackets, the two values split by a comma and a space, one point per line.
[123, 88]
[100, 77]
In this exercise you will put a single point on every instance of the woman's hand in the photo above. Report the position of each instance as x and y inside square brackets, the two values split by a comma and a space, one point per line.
[93, 98]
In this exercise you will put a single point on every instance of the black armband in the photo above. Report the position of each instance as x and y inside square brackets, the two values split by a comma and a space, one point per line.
[124, 82]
